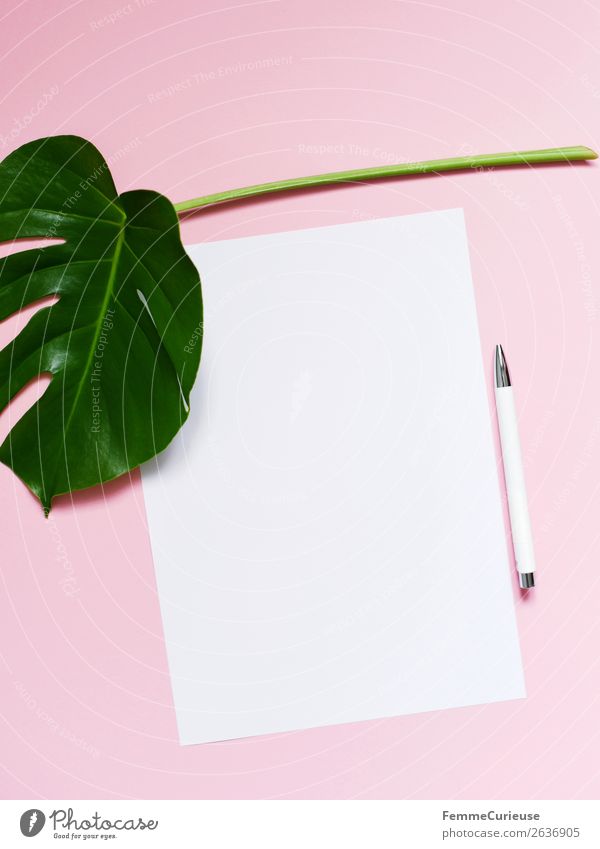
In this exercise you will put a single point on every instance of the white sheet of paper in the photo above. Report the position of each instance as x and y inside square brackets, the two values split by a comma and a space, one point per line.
[327, 528]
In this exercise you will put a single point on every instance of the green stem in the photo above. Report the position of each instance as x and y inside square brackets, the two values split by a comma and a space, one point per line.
[432, 166]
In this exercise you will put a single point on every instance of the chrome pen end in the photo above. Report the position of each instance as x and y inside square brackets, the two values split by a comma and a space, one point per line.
[526, 580]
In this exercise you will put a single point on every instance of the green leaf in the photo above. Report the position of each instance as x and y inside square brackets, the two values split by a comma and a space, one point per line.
[122, 342]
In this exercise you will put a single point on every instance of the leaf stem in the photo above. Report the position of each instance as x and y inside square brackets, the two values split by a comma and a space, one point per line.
[432, 166]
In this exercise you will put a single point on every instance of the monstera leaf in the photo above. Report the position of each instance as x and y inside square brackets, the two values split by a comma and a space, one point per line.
[121, 343]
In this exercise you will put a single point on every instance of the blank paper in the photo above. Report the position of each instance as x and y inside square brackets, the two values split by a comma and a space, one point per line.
[327, 527]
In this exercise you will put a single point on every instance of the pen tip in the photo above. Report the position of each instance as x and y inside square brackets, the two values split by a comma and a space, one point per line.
[501, 369]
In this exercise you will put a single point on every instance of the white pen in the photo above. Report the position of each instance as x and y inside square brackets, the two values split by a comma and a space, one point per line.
[513, 474]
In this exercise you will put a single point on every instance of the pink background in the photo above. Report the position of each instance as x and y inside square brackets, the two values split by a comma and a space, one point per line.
[190, 98]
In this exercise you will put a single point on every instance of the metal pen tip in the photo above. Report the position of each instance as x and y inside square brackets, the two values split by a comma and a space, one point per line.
[501, 369]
